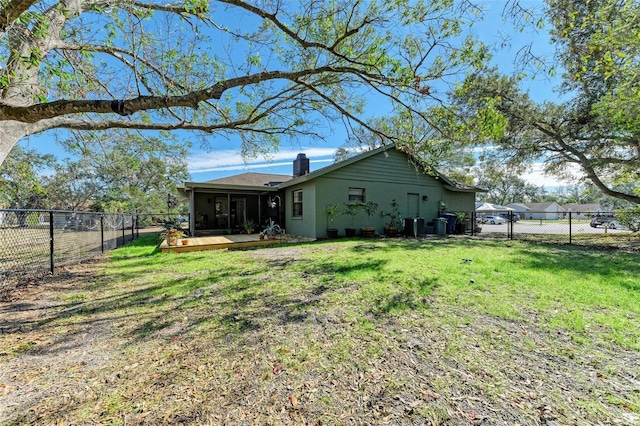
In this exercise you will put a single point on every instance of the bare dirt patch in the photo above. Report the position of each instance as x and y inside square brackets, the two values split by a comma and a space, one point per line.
[76, 352]
[44, 358]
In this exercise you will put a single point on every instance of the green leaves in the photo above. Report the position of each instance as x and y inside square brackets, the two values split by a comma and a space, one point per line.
[263, 71]
[597, 128]
[119, 171]
[20, 184]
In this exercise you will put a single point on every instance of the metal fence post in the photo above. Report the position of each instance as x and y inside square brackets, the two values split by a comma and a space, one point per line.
[122, 218]
[473, 223]
[570, 233]
[102, 231]
[51, 242]
[510, 225]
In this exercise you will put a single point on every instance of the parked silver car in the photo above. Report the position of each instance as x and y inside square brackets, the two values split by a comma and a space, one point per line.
[494, 220]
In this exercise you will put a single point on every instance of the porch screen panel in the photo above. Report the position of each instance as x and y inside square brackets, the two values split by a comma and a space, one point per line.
[221, 220]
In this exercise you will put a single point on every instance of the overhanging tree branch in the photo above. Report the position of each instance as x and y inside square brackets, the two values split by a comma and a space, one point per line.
[12, 11]
[34, 113]
[282, 70]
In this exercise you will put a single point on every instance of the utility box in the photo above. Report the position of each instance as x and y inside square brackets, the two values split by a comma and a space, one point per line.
[413, 227]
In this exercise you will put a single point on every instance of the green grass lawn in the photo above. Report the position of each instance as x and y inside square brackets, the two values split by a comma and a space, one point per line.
[454, 331]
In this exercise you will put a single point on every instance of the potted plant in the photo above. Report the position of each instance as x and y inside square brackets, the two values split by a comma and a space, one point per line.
[173, 231]
[351, 209]
[332, 211]
[249, 225]
[370, 209]
[271, 230]
[173, 235]
[462, 222]
[395, 218]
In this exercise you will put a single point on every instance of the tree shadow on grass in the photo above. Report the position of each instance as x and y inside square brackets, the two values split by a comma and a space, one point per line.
[411, 296]
[150, 305]
[237, 303]
[235, 299]
[610, 266]
[344, 267]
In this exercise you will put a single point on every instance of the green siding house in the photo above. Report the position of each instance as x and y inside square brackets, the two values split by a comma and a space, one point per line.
[298, 202]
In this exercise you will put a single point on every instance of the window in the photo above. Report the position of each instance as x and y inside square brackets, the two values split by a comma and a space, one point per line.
[356, 195]
[297, 203]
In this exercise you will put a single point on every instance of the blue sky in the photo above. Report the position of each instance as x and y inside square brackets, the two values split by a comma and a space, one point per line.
[224, 158]
[206, 165]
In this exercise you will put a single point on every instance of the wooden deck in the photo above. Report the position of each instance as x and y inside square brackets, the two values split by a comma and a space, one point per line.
[219, 242]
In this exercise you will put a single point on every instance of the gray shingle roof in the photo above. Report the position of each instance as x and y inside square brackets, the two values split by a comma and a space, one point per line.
[252, 179]
[582, 208]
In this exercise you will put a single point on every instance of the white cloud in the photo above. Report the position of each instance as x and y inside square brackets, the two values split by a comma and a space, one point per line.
[536, 176]
[229, 160]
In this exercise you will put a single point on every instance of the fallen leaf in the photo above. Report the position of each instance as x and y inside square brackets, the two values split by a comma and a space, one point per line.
[143, 415]
[168, 416]
[294, 401]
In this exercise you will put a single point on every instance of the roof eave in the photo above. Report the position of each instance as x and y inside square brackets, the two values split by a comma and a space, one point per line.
[456, 189]
[228, 187]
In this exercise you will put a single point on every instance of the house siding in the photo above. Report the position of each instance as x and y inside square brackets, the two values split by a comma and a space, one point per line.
[385, 176]
[459, 201]
[552, 211]
[304, 225]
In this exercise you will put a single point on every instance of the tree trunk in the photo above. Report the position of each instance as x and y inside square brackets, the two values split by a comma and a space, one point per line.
[10, 134]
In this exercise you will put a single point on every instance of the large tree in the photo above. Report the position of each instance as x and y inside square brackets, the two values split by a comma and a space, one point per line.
[261, 70]
[505, 185]
[589, 193]
[21, 186]
[72, 186]
[596, 130]
[119, 171]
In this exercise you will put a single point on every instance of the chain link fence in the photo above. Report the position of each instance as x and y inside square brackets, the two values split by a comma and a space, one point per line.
[35, 242]
[617, 230]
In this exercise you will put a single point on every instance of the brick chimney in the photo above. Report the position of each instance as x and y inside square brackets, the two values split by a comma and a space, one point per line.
[300, 165]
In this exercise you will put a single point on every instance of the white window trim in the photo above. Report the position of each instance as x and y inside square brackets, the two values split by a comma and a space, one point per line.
[301, 202]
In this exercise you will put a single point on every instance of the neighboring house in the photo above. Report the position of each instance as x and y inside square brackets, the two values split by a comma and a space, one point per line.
[490, 208]
[298, 202]
[550, 211]
[583, 211]
[519, 209]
